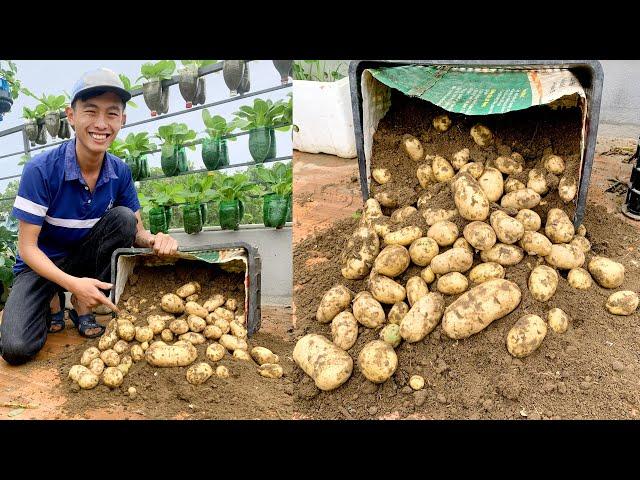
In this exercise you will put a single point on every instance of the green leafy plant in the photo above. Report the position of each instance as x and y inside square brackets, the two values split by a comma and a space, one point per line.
[117, 148]
[126, 82]
[9, 73]
[52, 103]
[278, 179]
[196, 190]
[316, 70]
[175, 134]
[35, 114]
[135, 144]
[8, 239]
[263, 113]
[198, 63]
[286, 117]
[236, 187]
[161, 70]
[217, 126]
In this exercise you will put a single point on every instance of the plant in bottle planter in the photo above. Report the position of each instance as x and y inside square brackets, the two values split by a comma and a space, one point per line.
[157, 216]
[195, 194]
[279, 181]
[214, 148]
[31, 127]
[134, 147]
[230, 193]
[284, 69]
[259, 121]
[173, 158]
[9, 86]
[191, 84]
[155, 95]
[233, 73]
[53, 105]
[166, 196]
[126, 82]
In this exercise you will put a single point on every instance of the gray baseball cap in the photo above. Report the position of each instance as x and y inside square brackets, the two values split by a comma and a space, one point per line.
[101, 79]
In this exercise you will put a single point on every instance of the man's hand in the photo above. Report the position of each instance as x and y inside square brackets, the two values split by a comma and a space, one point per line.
[163, 244]
[87, 292]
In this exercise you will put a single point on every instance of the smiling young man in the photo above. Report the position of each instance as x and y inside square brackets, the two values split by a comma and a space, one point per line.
[76, 204]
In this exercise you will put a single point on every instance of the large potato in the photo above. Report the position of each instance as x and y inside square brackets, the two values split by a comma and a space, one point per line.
[452, 283]
[405, 236]
[535, 243]
[520, 199]
[96, 366]
[179, 326]
[344, 330]
[491, 183]
[237, 330]
[441, 123]
[442, 169]
[425, 175]
[232, 343]
[435, 215]
[361, 250]
[427, 275]
[416, 289]
[157, 323]
[444, 233]
[422, 251]
[180, 354]
[137, 353]
[401, 214]
[377, 361]
[215, 352]
[392, 260]
[88, 380]
[381, 175]
[109, 338]
[120, 347]
[624, 302]
[189, 289]
[222, 324]
[367, 310]
[505, 255]
[125, 330]
[469, 197]
[371, 210]
[212, 331]
[337, 299]
[514, 163]
[543, 283]
[579, 279]
[529, 219]
[397, 312]
[474, 310]
[422, 318]
[508, 229]
[537, 181]
[486, 271]
[554, 164]
[76, 371]
[606, 272]
[453, 260]
[89, 355]
[194, 308]
[567, 189]
[110, 358]
[144, 334]
[270, 370]
[172, 303]
[558, 320]
[559, 228]
[385, 290]
[412, 147]
[327, 364]
[199, 373]
[479, 235]
[196, 324]
[192, 337]
[391, 334]
[214, 302]
[481, 135]
[475, 169]
[582, 243]
[112, 377]
[565, 257]
[512, 184]
[526, 336]
[460, 159]
[223, 313]
[263, 355]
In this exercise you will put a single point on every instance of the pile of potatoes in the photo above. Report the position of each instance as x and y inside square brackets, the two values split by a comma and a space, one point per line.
[168, 340]
[500, 230]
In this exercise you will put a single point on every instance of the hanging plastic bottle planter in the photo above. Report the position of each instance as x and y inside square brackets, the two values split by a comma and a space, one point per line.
[52, 122]
[259, 144]
[5, 98]
[192, 218]
[274, 210]
[192, 87]
[284, 69]
[173, 160]
[156, 97]
[31, 129]
[230, 213]
[158, 220]
[214, 153]
[245, 84]
[232, 73]
[65, 129]
[41, 139]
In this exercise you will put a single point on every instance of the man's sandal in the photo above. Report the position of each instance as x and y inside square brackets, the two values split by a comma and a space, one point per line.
[55, 321]
[86, 322]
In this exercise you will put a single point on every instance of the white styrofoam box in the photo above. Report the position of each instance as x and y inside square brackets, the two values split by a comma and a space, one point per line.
[322, 112]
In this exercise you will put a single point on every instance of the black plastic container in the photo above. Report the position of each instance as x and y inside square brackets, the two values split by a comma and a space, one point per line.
[588, 72]
[254, 275]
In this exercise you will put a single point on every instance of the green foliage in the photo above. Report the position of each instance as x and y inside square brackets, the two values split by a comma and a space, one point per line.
[278, 179]
[117, 148]
[126, 81]
[217, 126]
[238, 187]
[162, 70]
[35, 114]
[316, 70]
[52, 103]
[264, 113]
[198, 63]
[9, 73]
[287, 115]
[175, 134]
[8, 248]
[135, 144]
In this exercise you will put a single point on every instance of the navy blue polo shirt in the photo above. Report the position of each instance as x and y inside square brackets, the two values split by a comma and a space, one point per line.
[53, 194]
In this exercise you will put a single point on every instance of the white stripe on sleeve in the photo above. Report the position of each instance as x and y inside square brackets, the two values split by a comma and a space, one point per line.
[28, 206]
[71, 223]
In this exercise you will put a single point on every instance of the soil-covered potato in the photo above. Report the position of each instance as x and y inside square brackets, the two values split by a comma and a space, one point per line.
[453, 260]
[520, 199]
[567, 188]
[194, 308]
[231, 304]
[196, 324]
[192, 337]
[377, 361]
[526, 336]
[442, 169]
[529, 219]
[263, 355]
[444, 233]
[452, 283]
[222, 371]
[112, 377]
[416, 289]
[514, 163]
[475, 169]
[270, 370]
[422, 251]
[192, 298]
[435, 215]
[381, 175]
[397, 312]
[582, 243]
[76, 371]
[391, 334]
[392, 260]
[505, 255]
[237, 330]
[125, 330]
[172, 303]
[462, 243]
[110, 358]
[96, 366]
[481, 135]
[337, 299]
[367, 310]
[460, 159]
[88, 355]
[608, 273]
[214, 302]
[120, 347]
[144, 334]
[565, 257]
[327, 364]
[212, 331]
[581, 230]
[441, 122]
[579, 279]
[508, 229]
[624, 302]
[476, 309]
[385, 289]
[401, 214]
[242, 355]
[425, 175]
[144, 346]
[416, 382]
[344, 330]
[361, 250]
[471, 201]
[232, 343]
[223, 313]
[479, 235]
[535, 243]
[215, 352]
[537, 181]
[543, 283]
[486, 271]
[412, 147]
[222, 324]
[108, 340]
[558, 320]
[199, 373]
[88, 380]
[422, 318]
[370, 212]
[137, 353]
[189, 289]
[180, 354]
[559, 228]
[179, 326]
[158, 323]
[512, 184]
[554, 164]
[491, 183]
[404, 236]
[427, 275]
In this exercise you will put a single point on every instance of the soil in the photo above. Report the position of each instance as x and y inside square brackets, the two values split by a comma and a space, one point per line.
[591, 371]
[164, 392]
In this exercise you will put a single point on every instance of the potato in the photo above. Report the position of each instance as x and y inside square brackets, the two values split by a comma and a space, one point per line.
[382, 226]
[471, 201]
[76, 371]
[172, 303]
[529, 219]
[196, 324]
[108, 340]
[453, 260]
[377, 361]
[416, 382]
[421, 251]
[491, 183]
[371, 210]
[385, 290]
[435, 215]
[192, 298]
[212, 331]
[96, 366]
[558, 320]
[126, 360]
[231, 305]
[215, 352]
[427, 275]
[270, 370]
[392, 260]
[120, 347]
[137, 353]
[582, 243]
[513, 184]
[193, 308]
[481, 135]
[222, 324]
[442, 169]
[124, 369]
[508, 230]
[242, 355]
[520, 199]
[460, 159]
[452, 283]
[606, 272]
[425, 175]
[144, 334]
[567, 189]
[405, 236]
[240, 318]
[361, 250]
[144, 346]
[582, 230]
[559, 228]
[416, 289]
[126, 330]
[486, 271]
[223, 313]
[579, 279]
[263, 355]
[505, 255]
[188, 289]
[88, 355]
[444, 233]
[624, 302]
[222, 371]
[214, 302]
[192, 337]
[237, 330]
[554, 164]
[543, 283]
[565, 257]
[112, 377]
[179, 326]
[367, 310]
[514, 163]
[412, 147]
[88, 380]
[232, 343]
[158, 323]
[462, 243]
[180, 354]
[397, 312]
[526, 336]
[337, 299]
[402, 214]
[199, 373]
[381, 175]
[476, 309]
[422, 318]
[475, 169]
[344, 330]
[110, 358]
[442, 122]
[479, 235]
[535, 243]
[391, 334]
[538, 181]
[327, 364]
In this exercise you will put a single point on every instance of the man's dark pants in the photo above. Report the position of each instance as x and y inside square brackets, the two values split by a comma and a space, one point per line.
[23, 331]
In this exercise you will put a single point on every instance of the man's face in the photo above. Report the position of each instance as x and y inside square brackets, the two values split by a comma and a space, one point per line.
[97, 121]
